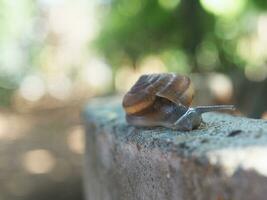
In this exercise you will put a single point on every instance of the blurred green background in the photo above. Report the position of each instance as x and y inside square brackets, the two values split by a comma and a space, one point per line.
[56, 54]
[221, 44]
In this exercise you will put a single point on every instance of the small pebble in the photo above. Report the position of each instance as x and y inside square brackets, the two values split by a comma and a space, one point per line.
[205, 140]
[234, 133]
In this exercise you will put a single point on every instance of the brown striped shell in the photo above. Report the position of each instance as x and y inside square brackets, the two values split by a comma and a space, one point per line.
[172, 87]
[164, 100]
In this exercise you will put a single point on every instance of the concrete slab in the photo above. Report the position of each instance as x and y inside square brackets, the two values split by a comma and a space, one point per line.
[226, 158]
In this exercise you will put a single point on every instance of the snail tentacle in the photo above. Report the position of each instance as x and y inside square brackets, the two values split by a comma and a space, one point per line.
[164, 100]
[204, 109]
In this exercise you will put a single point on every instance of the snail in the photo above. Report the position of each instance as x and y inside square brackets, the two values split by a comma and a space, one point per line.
[164, 100]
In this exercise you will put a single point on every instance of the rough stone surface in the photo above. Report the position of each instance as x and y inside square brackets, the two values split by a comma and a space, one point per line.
[225, 159]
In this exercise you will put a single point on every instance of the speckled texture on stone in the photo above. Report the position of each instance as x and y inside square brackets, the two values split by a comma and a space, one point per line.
[224, 159]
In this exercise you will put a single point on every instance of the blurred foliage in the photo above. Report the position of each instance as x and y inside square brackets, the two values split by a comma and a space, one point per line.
[150, 28]
[188, 36]
[15, 21]
[44, 52]
[205, 33]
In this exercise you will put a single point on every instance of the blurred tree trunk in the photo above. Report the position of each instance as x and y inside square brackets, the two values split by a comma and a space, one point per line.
[251, 96]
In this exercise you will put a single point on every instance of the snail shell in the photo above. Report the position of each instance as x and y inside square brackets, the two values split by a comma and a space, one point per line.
[164, 100]
[158, 99]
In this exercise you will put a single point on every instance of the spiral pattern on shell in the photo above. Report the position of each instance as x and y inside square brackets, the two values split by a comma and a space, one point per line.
[175, 88]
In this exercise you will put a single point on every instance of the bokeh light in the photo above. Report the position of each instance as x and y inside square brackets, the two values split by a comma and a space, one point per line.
[176, 60]
[221, 87]
[127, 76]
[264, 115]
[226, 8]
[4, 126]
[97, 74]
[39, 161]
[32, 88]
[76, 140]
[13, 127]
[169, 4]
[59, 86]
[55, 55]
[152, 64]
[262, 28]
[227, 29]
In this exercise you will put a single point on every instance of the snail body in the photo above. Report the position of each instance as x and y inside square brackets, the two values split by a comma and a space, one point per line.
[164, 100]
